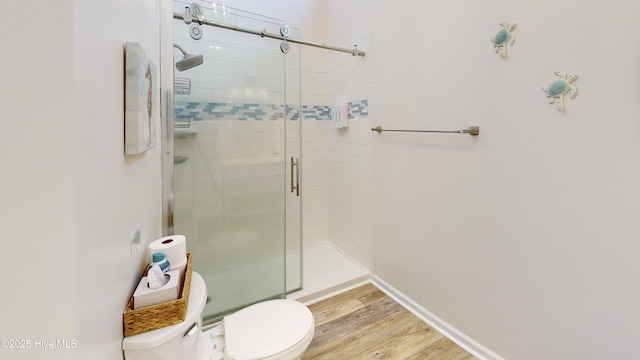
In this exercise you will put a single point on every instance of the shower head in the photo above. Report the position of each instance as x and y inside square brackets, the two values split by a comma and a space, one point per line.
[188, 60]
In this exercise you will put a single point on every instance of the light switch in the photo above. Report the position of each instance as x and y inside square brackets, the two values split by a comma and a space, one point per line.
[135, 241]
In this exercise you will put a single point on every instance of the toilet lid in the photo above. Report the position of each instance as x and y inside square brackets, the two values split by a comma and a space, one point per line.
[266, 329]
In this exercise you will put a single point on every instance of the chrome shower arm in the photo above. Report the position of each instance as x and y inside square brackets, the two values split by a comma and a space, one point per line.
[180, 48]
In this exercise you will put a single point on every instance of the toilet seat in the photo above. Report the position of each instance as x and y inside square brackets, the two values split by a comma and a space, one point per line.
[274, 329]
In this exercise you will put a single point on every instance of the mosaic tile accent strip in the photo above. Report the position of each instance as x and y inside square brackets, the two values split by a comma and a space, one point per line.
[198, 111]
[358, 109]
[205, 111]
[316, 112]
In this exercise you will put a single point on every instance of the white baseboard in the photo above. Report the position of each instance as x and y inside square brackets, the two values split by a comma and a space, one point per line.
[444, 328]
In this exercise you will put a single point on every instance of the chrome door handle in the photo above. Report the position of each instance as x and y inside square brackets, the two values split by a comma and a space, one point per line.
[297, 177]
[295, 186]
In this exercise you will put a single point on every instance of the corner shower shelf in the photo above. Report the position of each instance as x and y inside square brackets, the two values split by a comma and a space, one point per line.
[188, 127]
[181, 86]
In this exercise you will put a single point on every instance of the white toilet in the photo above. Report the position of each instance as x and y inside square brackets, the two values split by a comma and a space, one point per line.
[270, 330]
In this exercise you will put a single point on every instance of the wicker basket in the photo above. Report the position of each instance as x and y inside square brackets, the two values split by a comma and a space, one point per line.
[160, 315]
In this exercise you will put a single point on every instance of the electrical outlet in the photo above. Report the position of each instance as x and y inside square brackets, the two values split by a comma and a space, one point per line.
[135, 240]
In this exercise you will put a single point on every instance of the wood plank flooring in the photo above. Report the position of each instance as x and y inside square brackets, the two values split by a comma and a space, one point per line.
[364, 323]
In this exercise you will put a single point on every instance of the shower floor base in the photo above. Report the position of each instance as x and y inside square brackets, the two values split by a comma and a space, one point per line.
[327, 271]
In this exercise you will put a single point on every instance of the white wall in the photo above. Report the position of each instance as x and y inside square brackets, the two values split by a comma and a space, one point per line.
[73, 198]
[114, 194]
[37, 183]
[523, 238]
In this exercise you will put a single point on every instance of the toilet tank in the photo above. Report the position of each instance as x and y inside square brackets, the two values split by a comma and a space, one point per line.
[175, 342]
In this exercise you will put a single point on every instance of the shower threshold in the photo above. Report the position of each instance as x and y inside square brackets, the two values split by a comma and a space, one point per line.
[326, 272]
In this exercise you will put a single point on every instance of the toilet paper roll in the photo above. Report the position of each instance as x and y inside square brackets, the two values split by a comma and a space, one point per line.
[175, 247]
[180, 267]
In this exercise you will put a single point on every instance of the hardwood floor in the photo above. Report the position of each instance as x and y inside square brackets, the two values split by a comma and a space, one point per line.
[364, 323]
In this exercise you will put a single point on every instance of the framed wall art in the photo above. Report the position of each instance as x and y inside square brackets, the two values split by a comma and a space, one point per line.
[142, 101]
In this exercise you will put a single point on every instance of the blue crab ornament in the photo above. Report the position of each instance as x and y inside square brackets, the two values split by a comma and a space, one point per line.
[504, 37]
[559, 88]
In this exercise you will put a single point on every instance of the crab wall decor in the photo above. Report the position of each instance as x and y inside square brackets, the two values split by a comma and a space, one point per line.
[559, 88]
[504, 37]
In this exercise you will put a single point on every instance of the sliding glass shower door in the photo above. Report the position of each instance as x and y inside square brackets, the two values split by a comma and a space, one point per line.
[236, 151]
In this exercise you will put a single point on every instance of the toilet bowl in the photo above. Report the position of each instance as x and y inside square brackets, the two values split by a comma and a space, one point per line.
[270, 330]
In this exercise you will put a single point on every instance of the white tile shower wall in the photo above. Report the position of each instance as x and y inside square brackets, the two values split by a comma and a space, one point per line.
[330, 79]
[350, 180]
[233, 71]
[245, 81]
[241, 69]
[241, 87]
[314, 180]
[349, 77]
[314, 148]
[314, 79]
[222, 165]
[351, 190]
[293, 221]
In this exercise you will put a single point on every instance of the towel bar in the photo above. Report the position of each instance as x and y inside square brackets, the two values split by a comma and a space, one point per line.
[473, 130]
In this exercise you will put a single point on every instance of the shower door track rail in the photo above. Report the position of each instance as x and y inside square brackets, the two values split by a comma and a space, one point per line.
[264, 33]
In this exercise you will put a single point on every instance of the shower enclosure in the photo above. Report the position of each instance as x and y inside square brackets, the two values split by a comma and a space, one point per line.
[235, 150]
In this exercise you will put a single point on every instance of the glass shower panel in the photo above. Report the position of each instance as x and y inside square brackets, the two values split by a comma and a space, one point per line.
[232, 159]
